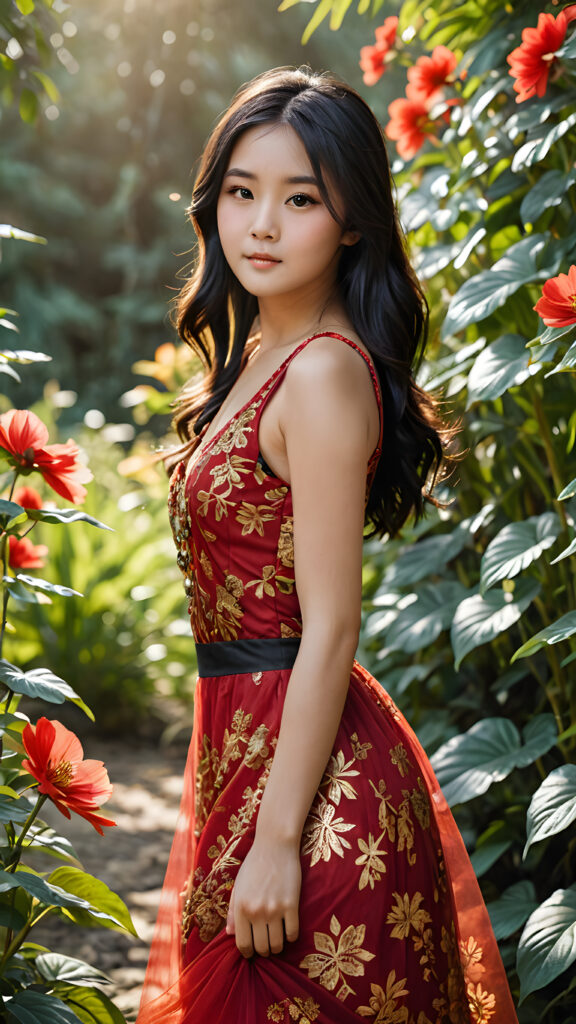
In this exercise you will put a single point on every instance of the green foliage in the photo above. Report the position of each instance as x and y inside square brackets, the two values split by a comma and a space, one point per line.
[470, 620]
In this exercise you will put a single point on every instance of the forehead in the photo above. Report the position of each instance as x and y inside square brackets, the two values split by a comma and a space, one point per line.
[278, 145]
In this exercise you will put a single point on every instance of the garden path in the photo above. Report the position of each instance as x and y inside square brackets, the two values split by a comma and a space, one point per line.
[131, 859]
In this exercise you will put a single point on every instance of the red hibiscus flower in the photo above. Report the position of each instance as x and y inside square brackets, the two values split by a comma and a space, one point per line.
[23, 436]
[373, 59]
[531, 62]
[27, 497]
[23, 554]
[57, 762]
[557, 307]
[429, 74]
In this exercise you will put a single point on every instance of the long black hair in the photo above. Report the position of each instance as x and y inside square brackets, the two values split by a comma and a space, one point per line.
[378, 288]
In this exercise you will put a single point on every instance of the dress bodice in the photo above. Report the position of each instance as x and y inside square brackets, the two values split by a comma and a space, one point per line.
[233, 526]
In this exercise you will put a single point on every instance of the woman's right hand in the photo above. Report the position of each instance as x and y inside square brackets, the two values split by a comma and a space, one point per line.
[264, 903]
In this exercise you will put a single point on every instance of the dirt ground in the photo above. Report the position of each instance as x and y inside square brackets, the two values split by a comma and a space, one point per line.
[131, 859]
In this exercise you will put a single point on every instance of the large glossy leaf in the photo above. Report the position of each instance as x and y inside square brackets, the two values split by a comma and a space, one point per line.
[538, 147]
[513, 908]
[58, 967]
[502, 365]
[426, 558]
[481, 617]
[13, 810]
[11, 514]
[34, 583]
[562, 629]
[31, 1007]
[569, 491]
[421, 622]
[42, 683]
[481, 295]
[553, 805]
[516, 546]
[467, 765]
[104, 905]
[91, 1006]
[65, 515]
[566, 553]
[547, 945]
[46, 892]
[549, 191]
[567, 363]
[9, 231]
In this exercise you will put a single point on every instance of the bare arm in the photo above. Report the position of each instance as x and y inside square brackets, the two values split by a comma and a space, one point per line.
[325, 422]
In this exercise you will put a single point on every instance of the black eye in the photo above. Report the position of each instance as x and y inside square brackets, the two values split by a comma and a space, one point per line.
[300, 200]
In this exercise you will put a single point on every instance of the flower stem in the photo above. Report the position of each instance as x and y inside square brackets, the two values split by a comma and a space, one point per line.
[17, 851]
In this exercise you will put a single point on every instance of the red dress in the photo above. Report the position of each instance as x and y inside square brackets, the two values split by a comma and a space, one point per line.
[393, 928]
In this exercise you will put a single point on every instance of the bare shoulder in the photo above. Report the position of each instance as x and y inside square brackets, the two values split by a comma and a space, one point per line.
[331, 363]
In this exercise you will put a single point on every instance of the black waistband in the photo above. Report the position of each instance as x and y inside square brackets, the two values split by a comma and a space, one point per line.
[231, 657]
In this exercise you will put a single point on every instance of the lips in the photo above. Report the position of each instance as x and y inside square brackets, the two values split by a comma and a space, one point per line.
[263, 257]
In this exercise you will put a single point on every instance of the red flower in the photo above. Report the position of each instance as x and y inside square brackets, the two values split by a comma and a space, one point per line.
[531, 62]
[429, 74]
[23, 436]
[27, 497]
[409, 125]
[373, 58]
[557, 307]
[23, 554]
[56, 761]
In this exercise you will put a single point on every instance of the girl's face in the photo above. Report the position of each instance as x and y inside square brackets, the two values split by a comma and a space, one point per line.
[277, 234]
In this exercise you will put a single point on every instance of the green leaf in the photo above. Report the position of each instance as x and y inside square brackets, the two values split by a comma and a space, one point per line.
[421, 622]
[46, 892]
[513, 908]
[426, 558]
[34, 583]
[502, 365]
[538, 147]
[566, 553]
[481, 295]
[65, 515]
[31, 1007]
[480, 618]
[11, 514]
[41, 683]
[467, 765]
[569, 491]
[547, 945]
[29, 106]
[549, 191]
[483, 858]
[57, 967]
[568, 361]
[44, 839]
[516, 546]
[104, 904]
[13, 810]
[25, 355]
[91, 1006]
[25, 6]
[562, 629]
[553, 805]
[9, 231]
[50, 87]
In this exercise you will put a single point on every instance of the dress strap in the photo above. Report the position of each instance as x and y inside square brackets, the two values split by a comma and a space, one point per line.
[272, 384]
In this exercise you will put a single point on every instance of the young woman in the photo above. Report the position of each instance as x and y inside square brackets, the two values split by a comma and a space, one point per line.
[317, 874]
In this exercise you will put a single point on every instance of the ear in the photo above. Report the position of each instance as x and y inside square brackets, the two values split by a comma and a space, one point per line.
[350, 237]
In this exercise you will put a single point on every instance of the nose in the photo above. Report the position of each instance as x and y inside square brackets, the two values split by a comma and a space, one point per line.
[264, 224]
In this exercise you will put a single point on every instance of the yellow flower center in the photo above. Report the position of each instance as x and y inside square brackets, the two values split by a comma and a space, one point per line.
[573, 301]
[61, 774]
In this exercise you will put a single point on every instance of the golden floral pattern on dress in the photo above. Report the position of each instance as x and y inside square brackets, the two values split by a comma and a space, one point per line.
[298, 1010]
[321, 835]
[336, 778]
[370, 859]
[360, 749]
[331, 963]
[399, 757]
[383, 1005]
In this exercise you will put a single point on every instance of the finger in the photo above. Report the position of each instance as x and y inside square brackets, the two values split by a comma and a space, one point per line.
[244, 940]
[230, 916]
[260, 933]
[291, 924]
[276, 935]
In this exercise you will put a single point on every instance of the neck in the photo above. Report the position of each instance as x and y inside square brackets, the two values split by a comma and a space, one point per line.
[283, 321]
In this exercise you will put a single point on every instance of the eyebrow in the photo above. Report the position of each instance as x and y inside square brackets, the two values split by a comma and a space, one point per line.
[237, 172]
